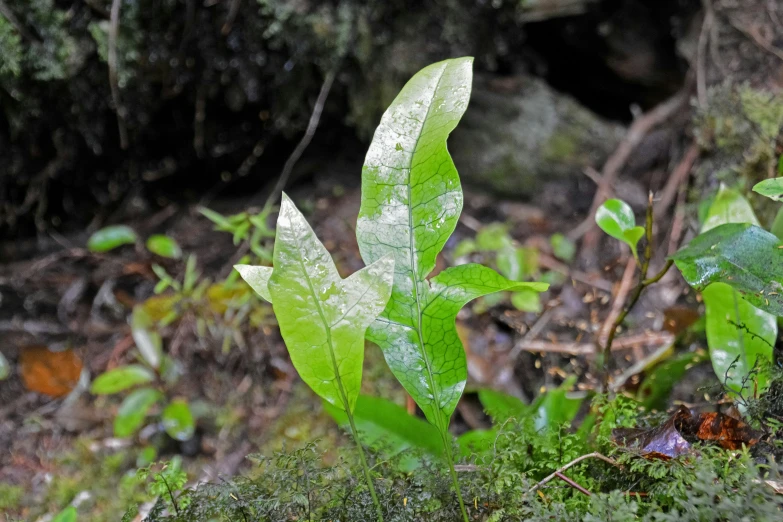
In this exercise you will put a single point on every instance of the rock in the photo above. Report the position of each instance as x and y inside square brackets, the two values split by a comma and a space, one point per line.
[518, 133]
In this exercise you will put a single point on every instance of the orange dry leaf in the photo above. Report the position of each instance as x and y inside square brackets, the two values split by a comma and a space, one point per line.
[727, 431]
[48, 372]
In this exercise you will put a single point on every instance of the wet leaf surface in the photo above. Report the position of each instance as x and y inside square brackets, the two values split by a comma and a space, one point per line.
[48, 372]
[616, 218]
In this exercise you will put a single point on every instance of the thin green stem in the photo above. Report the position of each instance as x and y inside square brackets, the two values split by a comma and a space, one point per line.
[453, 473]
[366, 468]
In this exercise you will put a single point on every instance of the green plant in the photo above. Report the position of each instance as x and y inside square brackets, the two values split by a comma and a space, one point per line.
[250, 227]
[151, 379]
[411, 200]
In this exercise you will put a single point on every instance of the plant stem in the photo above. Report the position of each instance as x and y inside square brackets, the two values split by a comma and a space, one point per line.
[453, 472]
[644, 282]
[366, 468]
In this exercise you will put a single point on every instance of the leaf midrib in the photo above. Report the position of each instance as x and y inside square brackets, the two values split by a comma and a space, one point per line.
[414, 268]
[327, 327]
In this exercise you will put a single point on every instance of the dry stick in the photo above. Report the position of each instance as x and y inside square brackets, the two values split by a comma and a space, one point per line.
[636, 133]
[594, 455]
[643, 283]
[114, 32]
[679, 176]
[619, 300]
[312, 125]
[622, 343]
[572, 483]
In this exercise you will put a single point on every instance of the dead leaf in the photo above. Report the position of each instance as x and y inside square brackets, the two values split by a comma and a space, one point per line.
[671, 439]
[48, 372]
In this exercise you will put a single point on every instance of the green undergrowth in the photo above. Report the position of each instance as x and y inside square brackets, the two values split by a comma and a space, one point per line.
[498, 482]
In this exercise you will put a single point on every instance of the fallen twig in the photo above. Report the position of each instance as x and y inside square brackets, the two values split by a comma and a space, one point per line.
[619, 300]
[622, 343]
[572, 483]
[594, 455]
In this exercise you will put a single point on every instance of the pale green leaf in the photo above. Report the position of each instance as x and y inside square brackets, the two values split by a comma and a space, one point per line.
[554, 407]
[616, 218]
[527, 301]
[772, 188]
[501, 406]
[111, 237]
[133, 410]
[147, 340]
[68, 514]
[258, 279]
[164, 246]
[411, 201]
[121, 378]
[178, 420]
[738, 335]
[389, 429]
[322, 317]
[729, 206]
[5, 367]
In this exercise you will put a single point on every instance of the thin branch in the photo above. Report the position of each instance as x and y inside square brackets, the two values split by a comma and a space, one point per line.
[114, 32]
[619, 300]
[594, 455]
[312, 125]
[572, 483]
[575, 348]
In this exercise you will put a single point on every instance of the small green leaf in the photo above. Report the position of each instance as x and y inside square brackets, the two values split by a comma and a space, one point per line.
[178, 420]
[121, 378]
[322, 317]
[164, 246]
[744, 256]
[478, 444]
[772, 188]
[527, 301]
[147, 340]
[465, 247]
[729, 207]
[66, 515]
[389, 429]
[109, 238]
[258, 279]
[133, 410]
[616, 218]
[493, 237]
[562, 247]
[739, 335]
[5, 367]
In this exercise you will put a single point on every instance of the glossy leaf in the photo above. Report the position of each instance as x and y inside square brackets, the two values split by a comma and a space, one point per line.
[147, 340]
[411, 201]
[109, 238]
[133, 411]
[391, 430]
[121, 378]
[616, 218]
[744, 256]
[729, 206]
[164, 246]
[322, 317]
[772, 188]
[178, 420]
[738, 335]
[258, 279]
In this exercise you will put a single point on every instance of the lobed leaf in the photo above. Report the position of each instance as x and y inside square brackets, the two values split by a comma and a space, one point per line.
[322, 317]
[258, 279]
[616, 218]
[411, 201]
[771, 188]
[744, 256]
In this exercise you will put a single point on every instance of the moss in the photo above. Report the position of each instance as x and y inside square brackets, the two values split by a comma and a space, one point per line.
[561, 148]
[10, 496]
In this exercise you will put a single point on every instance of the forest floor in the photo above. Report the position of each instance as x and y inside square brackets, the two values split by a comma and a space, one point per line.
[245, 395]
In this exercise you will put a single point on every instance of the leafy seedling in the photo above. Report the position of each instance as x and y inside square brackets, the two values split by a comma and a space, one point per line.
[616, 218]
[322, 317]
[411, 201]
